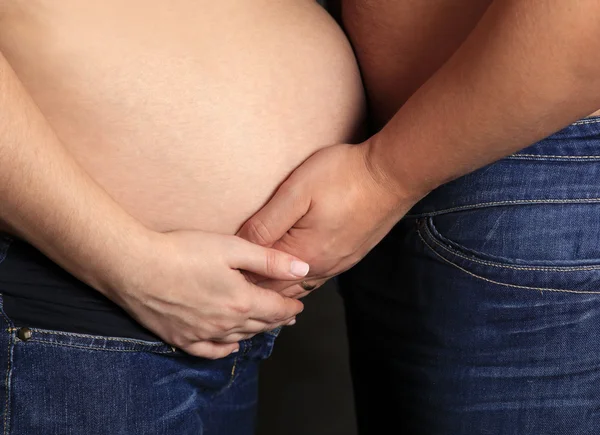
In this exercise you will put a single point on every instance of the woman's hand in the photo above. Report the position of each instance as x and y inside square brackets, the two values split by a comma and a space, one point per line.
[187, 287]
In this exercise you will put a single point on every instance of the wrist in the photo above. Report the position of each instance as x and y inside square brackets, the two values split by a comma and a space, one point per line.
[390, 174]
[121, 270]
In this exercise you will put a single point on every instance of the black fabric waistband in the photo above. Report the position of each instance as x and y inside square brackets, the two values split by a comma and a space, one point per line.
[38, 293]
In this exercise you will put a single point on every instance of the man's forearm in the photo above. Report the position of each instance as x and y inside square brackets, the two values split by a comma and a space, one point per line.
[529, 68]
[49, 200]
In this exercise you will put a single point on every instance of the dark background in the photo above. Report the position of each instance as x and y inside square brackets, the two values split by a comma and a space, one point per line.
[305, 386]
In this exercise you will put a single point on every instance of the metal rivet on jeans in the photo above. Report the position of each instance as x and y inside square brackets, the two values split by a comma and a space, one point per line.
[24, 334]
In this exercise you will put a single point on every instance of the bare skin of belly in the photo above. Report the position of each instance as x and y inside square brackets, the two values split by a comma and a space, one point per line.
[189, 113]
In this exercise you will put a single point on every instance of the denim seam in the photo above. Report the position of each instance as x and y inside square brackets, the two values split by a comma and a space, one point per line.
[553, 157]
[523, 287]
[56, 344]
[556, 156]
[508, 202]
[507, 266]
[7, 378]
[7, 386]
[231, 378]
[99, 337]
[587, 121]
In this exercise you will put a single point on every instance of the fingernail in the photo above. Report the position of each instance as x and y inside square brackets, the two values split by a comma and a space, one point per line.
[292, 322]
[299, 268]
[235, 350]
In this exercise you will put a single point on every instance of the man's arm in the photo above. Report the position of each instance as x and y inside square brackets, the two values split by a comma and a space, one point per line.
[529, 68]
[185, 286]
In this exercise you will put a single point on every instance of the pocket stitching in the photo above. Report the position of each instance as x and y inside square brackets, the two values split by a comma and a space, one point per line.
[7, 383]
[99, 337]
[551, 156]
[480, 205]
[502, 283]
[142, 346]
[55, 344]
[594, 120]
[506, 266]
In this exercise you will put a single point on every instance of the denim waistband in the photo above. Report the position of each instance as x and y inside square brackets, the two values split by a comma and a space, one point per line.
[560, 169]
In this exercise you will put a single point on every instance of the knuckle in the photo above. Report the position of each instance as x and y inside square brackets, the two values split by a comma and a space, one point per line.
[291, 190]
[279, 315]
[235, 338]
[206, 332]
[223, 327]
[271, 262]
[258, 232]
[218, 329]
[241, 308]
[180, 341]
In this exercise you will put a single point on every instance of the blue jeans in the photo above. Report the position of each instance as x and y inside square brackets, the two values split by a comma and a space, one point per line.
[480, 312]
[57, 383]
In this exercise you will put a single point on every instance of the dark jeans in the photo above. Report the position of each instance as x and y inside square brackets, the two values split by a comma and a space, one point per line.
[480, 312]
[58, 383]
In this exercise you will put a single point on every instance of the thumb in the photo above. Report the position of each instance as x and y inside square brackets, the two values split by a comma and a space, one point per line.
[267, 262]
[279, 215]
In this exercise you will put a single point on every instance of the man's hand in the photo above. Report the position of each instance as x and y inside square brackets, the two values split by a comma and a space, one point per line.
[187, 287]
[330, 212]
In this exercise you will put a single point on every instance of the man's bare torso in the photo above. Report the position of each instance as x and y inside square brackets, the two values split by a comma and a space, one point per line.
[401, 43]
[189, 112]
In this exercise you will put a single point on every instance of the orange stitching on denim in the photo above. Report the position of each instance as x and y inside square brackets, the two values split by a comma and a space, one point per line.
[233, 370]
[506, 266]
[231, 377]
[509, 202]
[502, 283]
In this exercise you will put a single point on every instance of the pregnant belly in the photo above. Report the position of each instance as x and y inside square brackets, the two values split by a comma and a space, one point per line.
[189, 113]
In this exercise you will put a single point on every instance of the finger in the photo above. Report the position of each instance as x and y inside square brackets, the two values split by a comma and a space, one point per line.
[252, 327]
[279, 215]
[271, 307]
[210, 349]
[252, 277]
[236, 338]
[266, 262]
[293, 290]
[299, 291]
